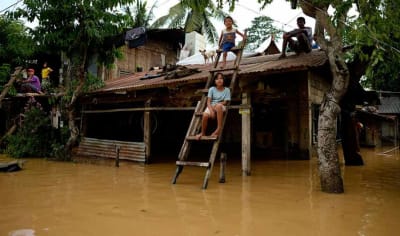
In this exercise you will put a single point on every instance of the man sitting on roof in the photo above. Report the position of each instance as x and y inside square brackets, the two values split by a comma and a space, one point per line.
[304, 38]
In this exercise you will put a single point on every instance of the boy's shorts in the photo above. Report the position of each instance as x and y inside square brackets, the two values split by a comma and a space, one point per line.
[227, 46]
[208, 110]
[46, 83]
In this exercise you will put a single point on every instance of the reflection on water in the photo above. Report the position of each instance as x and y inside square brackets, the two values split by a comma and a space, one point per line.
[22, 232]
[281, 197]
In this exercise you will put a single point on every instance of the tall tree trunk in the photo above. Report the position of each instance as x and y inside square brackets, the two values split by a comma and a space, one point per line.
[329, 169]
[330, 176]
[74, 130]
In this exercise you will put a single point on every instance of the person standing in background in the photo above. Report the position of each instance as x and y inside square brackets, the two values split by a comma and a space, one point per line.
[46, 83]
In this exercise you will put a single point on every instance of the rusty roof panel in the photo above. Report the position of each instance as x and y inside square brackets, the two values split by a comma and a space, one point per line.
[265, 64]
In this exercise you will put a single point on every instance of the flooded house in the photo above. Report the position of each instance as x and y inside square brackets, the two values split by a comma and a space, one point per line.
[275, 101]
[377, 129]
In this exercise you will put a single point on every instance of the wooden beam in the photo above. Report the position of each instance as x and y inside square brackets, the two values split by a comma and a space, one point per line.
[246, 134]
[222, 167]
[147, 132]
[156, 109]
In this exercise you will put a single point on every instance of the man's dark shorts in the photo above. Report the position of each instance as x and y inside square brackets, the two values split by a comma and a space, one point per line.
[301, 45]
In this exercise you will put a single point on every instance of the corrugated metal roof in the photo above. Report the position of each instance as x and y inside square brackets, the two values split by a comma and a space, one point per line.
[374, 115]
[389, 105]
[253, 65]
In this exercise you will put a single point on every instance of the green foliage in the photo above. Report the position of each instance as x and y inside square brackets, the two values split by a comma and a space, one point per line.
[92, 83]
[58, 148]
[4, 75]
[139, 16]
[261, 28]
[193, 15]
[34, 136]
[377, 28]
[16, 45]
[4, 78]
[74, 26]
[71, 86]
[264, 2]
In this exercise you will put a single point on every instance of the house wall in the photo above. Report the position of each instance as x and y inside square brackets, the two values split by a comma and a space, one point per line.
[194, 42]
[281, 114]
[309, 89]
[153, 54]
[389, 129]
[304, 117]
[318, 85]
[371, 133]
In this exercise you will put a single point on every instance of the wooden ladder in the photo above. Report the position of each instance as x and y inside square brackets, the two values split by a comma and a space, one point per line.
[195, 124]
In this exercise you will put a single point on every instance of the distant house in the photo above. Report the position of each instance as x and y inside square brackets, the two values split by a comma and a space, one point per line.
[379, 121]
[272, 48]
[390, 103]
[377, 129]
[154, 110]
[143, 49]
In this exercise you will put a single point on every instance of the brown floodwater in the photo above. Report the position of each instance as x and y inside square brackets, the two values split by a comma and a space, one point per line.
[281, 197]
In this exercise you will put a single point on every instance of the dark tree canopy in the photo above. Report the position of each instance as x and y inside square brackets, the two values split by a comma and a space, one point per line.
[260, 30]
[16, 44]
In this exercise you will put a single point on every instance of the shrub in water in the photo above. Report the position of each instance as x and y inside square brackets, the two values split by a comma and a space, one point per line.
[35, 134]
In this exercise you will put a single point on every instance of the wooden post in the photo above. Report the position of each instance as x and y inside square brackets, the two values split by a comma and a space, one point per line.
[147, 132]
[246, 134]
[117, 148]
[222, 167]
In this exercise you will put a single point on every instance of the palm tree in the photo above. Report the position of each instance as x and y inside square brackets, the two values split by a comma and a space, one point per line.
[193, 15]
[139, 16]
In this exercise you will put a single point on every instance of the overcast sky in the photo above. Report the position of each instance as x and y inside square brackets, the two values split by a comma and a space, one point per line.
[245, 11]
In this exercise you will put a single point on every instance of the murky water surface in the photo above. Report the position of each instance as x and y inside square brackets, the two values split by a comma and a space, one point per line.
[281, 197]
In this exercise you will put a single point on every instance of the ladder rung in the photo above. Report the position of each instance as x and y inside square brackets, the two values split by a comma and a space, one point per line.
[201, 91]
[224, 69]
[204, 138]
[192, 163]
